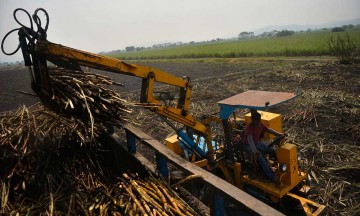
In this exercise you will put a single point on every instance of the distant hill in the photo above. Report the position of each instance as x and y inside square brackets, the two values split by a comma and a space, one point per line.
[305, 27]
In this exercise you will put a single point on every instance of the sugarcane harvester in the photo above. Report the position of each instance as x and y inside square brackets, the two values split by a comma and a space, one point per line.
[195, 140]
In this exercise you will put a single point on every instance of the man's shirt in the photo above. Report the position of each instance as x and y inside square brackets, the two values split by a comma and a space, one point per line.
[255, 132]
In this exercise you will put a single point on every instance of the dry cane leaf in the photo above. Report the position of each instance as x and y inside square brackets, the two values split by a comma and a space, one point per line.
[314, 176]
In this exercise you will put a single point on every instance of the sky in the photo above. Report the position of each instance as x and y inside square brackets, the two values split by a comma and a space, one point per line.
[105, 25]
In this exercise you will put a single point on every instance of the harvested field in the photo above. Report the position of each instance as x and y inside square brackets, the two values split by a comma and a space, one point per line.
[324, 121]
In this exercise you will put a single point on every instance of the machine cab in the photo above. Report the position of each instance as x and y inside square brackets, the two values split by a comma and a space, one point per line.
[289, 170]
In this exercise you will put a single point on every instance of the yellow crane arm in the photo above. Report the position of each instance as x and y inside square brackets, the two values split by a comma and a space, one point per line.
[105, 63]
[179, 113]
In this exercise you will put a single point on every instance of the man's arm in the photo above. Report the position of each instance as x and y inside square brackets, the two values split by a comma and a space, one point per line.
[274, 132]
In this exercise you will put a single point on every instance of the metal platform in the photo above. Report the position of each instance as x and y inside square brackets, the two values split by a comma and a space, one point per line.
[252, 99]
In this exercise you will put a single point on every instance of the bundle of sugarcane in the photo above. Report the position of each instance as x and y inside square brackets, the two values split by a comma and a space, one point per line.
[85, 96]
[135, 196]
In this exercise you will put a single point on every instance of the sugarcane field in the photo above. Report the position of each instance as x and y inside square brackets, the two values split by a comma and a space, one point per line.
[55, 164]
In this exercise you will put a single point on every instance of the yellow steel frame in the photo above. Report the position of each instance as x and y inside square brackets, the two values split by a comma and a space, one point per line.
[276, 191]
[306, 205]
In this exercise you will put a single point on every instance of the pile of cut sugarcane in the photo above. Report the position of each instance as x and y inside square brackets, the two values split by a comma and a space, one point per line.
[86, 96]
[52, 164]
[134, 196]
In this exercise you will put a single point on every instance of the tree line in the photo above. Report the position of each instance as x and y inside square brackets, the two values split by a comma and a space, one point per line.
[248, 35]
[285, 32]
[241, 36]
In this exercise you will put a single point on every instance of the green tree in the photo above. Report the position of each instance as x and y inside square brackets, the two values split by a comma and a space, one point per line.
[130, 48]
[338, 29]
[283, 33]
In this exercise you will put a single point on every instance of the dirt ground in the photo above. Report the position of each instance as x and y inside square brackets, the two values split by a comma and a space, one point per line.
[324, 121]
[15, 80]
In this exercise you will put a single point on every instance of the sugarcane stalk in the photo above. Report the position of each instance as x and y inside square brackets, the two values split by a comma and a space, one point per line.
[176, 211]
[145, 186]
[172, 201]
[161, 196]
[189, 178]
[151, 192]
[181, 204]
[138, 204]
[142, 194]
[148, 199]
